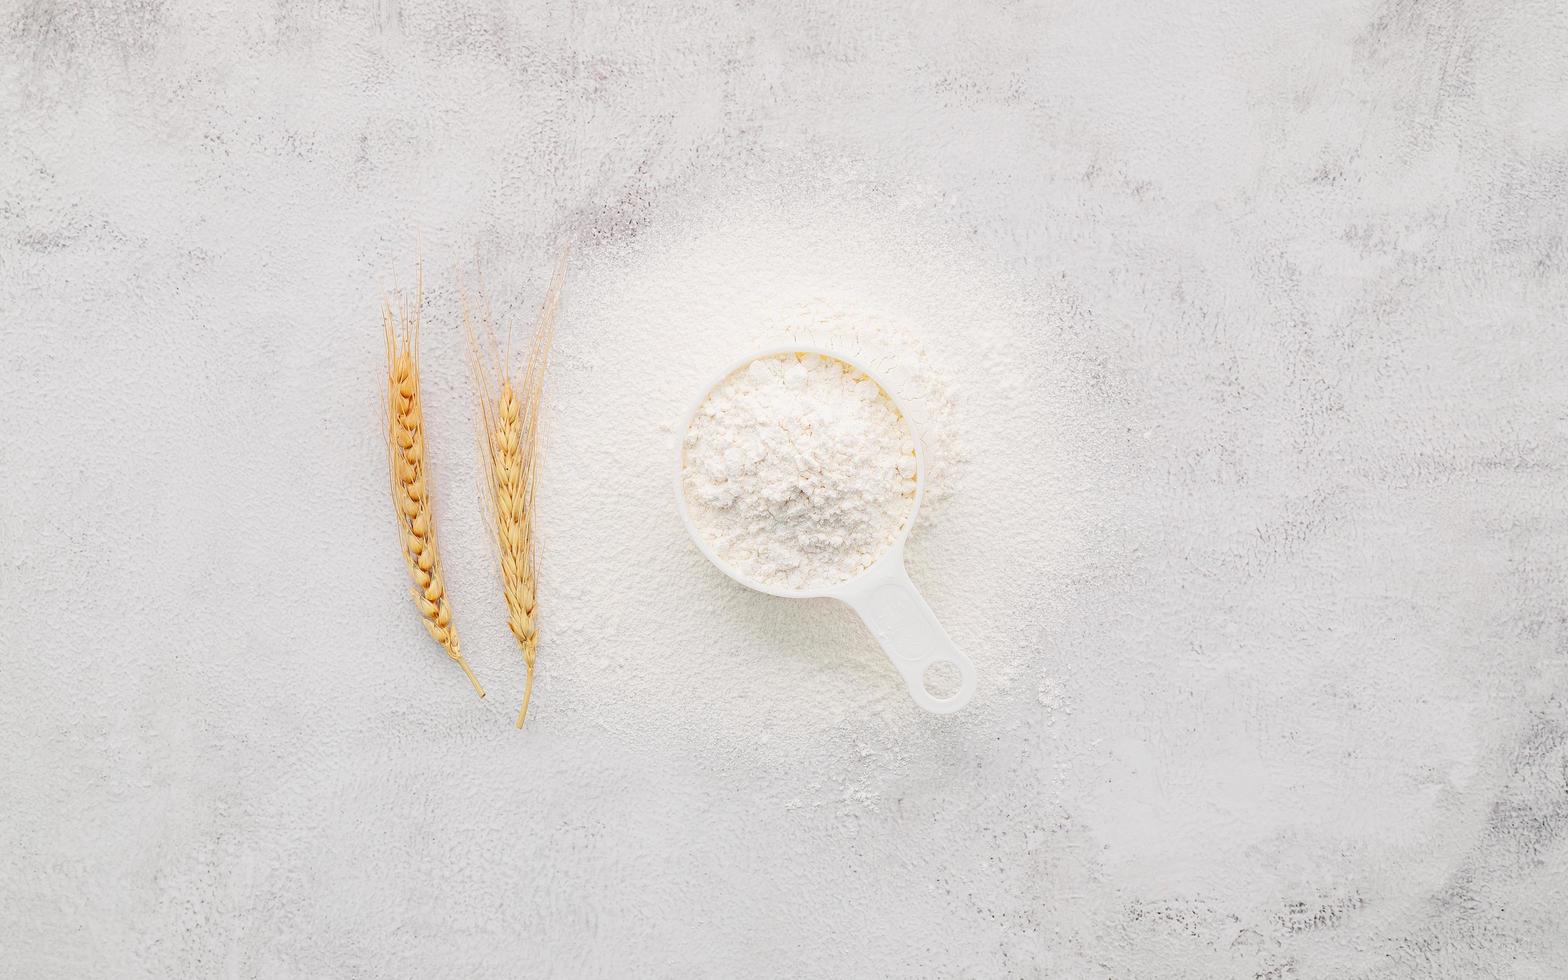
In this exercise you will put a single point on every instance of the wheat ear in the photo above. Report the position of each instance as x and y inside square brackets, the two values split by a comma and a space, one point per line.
[410, 491]
[509, 419]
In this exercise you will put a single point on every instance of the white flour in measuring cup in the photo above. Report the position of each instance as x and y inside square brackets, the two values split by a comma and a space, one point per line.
[799, 471]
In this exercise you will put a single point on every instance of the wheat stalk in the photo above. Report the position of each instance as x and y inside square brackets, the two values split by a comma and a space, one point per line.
[410, 491]
[509, 439]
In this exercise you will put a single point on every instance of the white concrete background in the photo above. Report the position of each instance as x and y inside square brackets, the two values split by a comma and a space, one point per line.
[1256, 311]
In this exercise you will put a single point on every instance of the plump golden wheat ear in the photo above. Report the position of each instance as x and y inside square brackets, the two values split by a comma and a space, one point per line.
[509, 442]
[410, 489]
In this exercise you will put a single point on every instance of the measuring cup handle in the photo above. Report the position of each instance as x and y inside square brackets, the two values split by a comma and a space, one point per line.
[908, 631]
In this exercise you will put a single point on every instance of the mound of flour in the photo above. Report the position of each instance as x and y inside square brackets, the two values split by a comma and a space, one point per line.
[799, 471]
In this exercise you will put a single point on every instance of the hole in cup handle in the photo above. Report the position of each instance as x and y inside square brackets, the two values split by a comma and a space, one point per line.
[908, 631]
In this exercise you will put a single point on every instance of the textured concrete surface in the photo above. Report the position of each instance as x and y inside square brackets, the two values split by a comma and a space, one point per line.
[1257, 316]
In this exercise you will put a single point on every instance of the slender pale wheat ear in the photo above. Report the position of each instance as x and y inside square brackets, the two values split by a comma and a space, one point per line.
[509, 420]
[406, 465]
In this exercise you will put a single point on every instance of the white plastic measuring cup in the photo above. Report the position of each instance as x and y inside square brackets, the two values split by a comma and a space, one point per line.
[883, 595]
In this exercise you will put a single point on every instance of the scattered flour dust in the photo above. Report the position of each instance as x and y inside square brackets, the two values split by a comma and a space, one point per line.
[799, 471]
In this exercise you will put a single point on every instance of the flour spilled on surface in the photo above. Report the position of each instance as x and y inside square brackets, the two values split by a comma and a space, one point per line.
[799, 471]
[991, 385]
